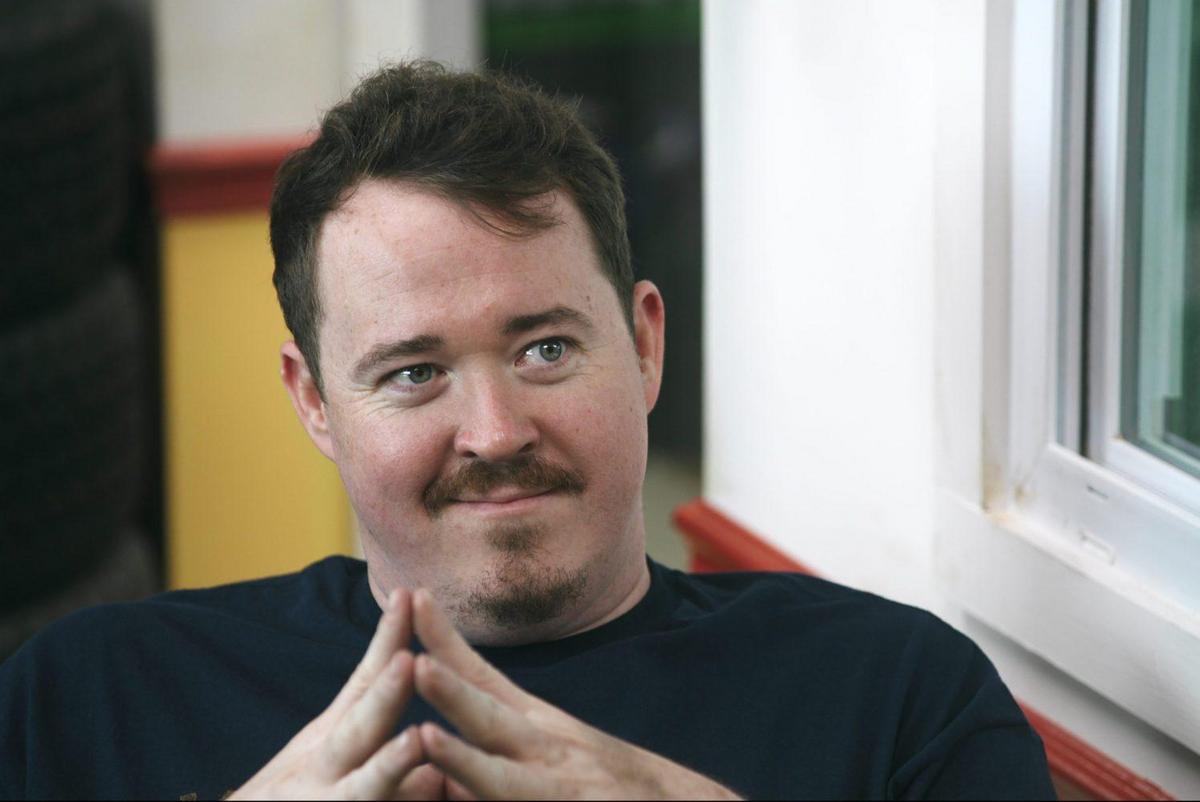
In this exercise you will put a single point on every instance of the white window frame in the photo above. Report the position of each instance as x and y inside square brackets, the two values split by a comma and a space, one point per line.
[1051, 550]
[1105, 441]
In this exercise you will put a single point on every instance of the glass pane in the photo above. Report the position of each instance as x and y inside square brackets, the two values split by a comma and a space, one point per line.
[1161, 360]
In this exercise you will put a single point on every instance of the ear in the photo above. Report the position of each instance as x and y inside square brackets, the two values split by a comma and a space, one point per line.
[306, 398]
[649, 319]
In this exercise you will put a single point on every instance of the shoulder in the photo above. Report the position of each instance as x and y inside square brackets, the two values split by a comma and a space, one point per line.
[802, 599]
[328, 582]
[873, 670]
[300, 603]
[800, 619]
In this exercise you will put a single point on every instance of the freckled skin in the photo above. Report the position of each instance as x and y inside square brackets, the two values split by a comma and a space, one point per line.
[396, 262]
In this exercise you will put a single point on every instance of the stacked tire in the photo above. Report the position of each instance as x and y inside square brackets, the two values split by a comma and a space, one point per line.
[72, 333]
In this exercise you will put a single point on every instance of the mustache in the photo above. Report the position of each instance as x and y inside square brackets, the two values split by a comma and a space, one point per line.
[528, 472]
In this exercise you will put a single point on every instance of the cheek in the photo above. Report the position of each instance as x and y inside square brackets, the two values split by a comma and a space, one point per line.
[609, 433]
[385, 462]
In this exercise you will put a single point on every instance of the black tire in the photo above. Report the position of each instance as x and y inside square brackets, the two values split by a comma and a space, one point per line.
[70, 450]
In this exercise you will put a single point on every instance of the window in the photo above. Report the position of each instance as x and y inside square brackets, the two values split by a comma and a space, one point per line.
[1159, 399]
[1129, 66]
[1084, 545]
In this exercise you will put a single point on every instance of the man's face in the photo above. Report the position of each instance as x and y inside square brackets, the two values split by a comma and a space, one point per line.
[486, 408]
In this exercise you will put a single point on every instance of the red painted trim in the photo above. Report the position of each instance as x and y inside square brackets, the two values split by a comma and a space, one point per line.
[216, 177]
[717, 543]
[1088, 768]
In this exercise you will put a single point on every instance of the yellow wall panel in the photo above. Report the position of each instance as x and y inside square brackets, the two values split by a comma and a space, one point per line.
[248, 494]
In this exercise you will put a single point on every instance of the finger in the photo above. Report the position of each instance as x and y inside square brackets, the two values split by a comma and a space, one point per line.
[366, 725]
[443, 641]
[379, 777]
[480, 774]
[457, 791]
[480, 718]
[423, 782]
[393, 633]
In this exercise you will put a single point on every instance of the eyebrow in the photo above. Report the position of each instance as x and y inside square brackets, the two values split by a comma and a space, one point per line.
[386, 352]
[557, 316]
[382, 353]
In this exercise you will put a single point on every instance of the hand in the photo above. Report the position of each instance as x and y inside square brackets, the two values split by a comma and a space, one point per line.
[515, 746]
[347, 752]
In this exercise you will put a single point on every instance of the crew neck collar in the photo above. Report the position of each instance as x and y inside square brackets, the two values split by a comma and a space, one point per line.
[651, 611]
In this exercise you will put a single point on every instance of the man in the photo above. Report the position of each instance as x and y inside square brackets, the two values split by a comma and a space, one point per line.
[472, 352]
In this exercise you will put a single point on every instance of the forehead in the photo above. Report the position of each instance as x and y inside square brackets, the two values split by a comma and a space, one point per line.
[398, 257]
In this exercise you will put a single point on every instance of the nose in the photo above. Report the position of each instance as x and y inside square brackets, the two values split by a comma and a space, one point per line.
[495, 425]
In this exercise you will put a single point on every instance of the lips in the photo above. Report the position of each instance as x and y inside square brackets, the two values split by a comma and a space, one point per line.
[503, 495]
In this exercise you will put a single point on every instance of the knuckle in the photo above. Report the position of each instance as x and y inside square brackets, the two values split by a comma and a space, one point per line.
[556, 754]
[355, 687]
[352, 731]
[491, 714]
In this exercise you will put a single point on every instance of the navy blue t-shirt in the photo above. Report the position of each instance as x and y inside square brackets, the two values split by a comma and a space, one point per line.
[776, 685]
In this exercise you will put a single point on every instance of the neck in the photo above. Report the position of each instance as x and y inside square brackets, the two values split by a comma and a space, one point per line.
[607, 594]
[635, 586]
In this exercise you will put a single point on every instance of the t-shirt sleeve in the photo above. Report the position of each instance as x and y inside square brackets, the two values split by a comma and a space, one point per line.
[963, 735]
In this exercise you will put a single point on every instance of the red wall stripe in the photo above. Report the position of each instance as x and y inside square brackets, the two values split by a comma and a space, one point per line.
[217, 177]
[718, 543]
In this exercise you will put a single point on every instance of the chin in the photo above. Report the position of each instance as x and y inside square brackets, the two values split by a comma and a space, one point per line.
[520, 600]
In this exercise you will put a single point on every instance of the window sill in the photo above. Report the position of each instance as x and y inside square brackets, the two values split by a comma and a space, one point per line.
[1081, 615]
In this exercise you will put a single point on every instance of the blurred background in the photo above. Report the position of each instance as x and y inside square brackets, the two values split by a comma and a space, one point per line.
[932, 287]
[81, 501]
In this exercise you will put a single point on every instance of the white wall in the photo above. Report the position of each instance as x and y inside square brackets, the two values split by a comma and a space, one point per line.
[256, 68]
[819, 292]
[845, 249]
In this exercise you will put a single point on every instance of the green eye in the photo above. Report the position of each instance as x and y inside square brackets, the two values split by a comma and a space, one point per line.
[417, 374]
[550, 350]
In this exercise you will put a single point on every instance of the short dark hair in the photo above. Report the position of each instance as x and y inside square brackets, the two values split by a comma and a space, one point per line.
[490, 142]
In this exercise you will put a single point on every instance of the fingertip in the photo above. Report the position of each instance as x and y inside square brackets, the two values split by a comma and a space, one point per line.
[423, 782]
[400, 670]
[422, 601]
[423, 669]
[403, 740]
[429, 620]
[410, 741]
[403, 753]
[432, 736]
